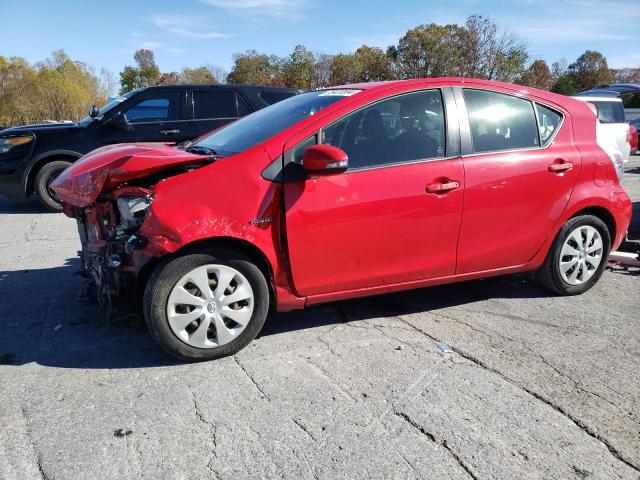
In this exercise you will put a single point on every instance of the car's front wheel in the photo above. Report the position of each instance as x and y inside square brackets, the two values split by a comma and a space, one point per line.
[204, 306]
[45, 176]
[578, 256]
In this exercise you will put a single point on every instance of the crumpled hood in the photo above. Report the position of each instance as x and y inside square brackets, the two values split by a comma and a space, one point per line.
[109, 166]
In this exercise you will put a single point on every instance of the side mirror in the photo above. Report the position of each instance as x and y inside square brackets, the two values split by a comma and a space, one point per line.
[119, 122]
[325, 159]
[94, 112]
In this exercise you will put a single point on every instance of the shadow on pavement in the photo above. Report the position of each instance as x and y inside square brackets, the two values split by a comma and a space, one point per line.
[29, 205]
[402, 303]
[58, 329]
[44, 321]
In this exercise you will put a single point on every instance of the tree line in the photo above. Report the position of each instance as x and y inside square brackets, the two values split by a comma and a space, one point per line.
[59, 88]
[53, 89]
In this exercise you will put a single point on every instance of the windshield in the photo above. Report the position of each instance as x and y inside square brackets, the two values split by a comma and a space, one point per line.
[110, 105]
[265, 123]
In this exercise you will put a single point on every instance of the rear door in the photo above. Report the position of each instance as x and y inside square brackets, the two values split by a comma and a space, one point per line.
[394, 216]
[211, 108]
[520, 166]
[152, 116]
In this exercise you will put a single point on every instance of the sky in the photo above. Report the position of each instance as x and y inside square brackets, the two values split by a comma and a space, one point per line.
[196, 32]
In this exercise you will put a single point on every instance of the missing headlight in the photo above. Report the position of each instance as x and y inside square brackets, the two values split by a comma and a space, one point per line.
[132, 210]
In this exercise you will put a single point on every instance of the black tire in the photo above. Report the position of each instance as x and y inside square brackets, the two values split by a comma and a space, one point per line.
[165, 277]
[549, 276]
[44, 177]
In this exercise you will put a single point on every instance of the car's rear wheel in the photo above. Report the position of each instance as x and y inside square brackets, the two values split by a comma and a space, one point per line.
[45, 176]
[204, 306]
[577, 257]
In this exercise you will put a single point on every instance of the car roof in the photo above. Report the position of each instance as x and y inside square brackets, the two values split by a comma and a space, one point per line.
[220, 85]
[460, 81]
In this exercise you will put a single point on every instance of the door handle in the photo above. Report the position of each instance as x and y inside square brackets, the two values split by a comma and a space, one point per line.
[169, 132]
[443, 187]
[560, 166]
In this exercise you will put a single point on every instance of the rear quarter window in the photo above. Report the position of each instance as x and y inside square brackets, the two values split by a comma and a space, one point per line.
[548, 122]
[609, 112]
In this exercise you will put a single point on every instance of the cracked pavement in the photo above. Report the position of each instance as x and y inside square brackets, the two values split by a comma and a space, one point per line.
[537, 386]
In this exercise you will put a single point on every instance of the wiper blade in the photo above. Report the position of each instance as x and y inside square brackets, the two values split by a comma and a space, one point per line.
[197, 149]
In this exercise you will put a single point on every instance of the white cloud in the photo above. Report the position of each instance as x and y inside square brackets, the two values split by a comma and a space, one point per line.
[185, 26]
[282, 9]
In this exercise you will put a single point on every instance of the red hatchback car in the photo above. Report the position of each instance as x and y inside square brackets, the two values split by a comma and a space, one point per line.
[345, 192]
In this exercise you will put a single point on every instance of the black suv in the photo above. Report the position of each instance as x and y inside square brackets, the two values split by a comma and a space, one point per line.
[33, 155]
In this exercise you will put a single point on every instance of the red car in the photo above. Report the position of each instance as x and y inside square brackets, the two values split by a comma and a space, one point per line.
[346, 192]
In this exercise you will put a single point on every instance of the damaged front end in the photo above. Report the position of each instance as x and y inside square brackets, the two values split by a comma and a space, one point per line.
[112, 248]
[109, 193]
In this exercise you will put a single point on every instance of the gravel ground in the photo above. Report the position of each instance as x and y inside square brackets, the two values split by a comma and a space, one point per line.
[536, 386]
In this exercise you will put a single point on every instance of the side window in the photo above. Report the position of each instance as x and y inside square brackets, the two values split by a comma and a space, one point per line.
[500, 122]
[403, 128]
[162, 108]
[215, 104]
[548, 122]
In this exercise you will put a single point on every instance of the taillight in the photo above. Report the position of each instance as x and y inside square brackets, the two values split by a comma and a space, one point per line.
[632, 137]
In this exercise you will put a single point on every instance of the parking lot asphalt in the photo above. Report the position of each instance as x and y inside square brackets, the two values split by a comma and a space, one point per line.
[536, 386]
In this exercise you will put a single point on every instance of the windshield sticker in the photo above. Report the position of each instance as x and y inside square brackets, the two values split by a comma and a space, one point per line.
[339, 93]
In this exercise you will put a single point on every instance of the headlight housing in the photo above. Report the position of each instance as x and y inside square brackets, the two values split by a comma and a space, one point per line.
[10, 143]
[133, 210]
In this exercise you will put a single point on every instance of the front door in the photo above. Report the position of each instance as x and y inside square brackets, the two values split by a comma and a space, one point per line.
[520, 169]
[154, 117]
[394, 216]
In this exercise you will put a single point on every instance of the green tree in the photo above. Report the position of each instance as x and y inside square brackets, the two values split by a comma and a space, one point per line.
[57, 88]
[366, 64]
[374, 64]
[149, 71]
[562, 83]
[590, 70]
[204, 75]
[129, 79]
[537, 75]
[146, 72]
[428, 51]
[256, 68]
[298, 68]
[344, 69]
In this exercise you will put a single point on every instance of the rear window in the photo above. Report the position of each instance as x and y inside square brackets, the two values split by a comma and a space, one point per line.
[609, 112]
